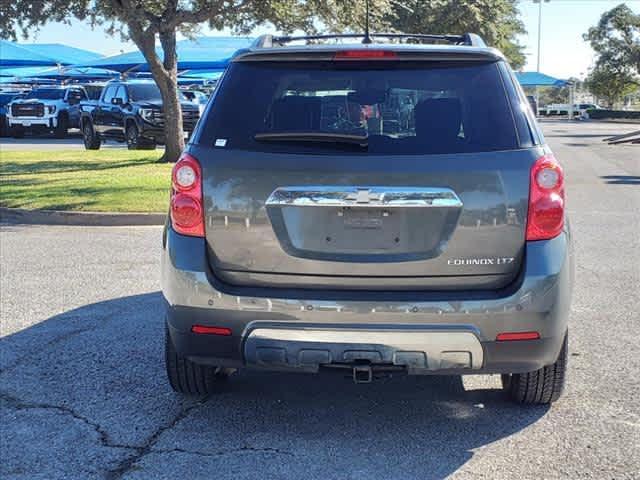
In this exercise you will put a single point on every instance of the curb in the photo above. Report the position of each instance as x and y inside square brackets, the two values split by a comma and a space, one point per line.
[93, 219]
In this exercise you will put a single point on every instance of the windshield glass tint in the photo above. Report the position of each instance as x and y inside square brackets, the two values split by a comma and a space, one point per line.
[144, 93]
[402, 108]
[46, 93]
[93, 91]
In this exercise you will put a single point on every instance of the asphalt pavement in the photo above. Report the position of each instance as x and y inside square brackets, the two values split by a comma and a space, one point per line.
[83, 391]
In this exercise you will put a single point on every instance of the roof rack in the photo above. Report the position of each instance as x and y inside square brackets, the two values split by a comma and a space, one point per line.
[468, 39]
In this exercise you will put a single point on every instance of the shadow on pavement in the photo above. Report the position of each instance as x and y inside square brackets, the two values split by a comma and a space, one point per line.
[84, 393]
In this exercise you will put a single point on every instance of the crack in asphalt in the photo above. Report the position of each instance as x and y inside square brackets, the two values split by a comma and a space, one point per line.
[138, 451]
[103, 436]
[228, 451]
[129, 462]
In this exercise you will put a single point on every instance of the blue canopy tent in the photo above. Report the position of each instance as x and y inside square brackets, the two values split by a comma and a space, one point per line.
[62, 54]
[203, 53]
[13, 55]
[58, 73]
[537, 79]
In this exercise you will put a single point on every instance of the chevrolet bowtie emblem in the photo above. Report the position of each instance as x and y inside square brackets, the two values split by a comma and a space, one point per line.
[363, 195]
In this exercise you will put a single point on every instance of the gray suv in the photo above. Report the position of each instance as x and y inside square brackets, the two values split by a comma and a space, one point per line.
[371, 208]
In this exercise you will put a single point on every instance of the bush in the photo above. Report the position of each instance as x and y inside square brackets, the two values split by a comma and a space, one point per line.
[599, 114]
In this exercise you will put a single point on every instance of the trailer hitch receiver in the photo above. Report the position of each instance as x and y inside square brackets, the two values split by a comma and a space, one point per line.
[362, 374]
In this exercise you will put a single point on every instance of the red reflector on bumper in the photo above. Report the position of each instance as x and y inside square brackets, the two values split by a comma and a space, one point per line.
[204, 329]
[512, 336]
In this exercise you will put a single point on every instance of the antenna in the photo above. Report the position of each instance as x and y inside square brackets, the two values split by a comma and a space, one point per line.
[367, 38]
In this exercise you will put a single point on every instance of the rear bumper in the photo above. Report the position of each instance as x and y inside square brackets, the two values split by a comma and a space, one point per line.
[425, 332]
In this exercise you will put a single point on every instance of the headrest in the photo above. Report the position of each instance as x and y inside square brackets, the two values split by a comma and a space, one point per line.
[438, 118]
[295, 113]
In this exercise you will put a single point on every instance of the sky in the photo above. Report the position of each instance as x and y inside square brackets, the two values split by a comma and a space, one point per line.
[563, 52]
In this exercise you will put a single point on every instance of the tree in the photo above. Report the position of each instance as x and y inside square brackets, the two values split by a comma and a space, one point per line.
[145, 21]
[496, 21]
[611, 85]
[616, 40]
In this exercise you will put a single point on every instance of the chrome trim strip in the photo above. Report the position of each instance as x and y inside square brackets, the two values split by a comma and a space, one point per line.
[352, 196]
[442, 349]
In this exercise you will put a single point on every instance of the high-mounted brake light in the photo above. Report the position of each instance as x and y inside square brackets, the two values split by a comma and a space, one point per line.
[187, 216]
[546, 199]
[365, 54]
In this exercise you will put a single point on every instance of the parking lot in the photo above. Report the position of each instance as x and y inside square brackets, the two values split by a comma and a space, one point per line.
[83, 391]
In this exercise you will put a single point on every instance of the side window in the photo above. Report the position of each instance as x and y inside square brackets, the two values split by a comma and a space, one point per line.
[122, 94]
[110, 93]
[75, 94]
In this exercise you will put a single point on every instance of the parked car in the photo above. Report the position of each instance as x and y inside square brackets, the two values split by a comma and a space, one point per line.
[131, 111]
[579, 109]
[6, 97]
[582, 109]
[54, 109]
[306, 234]
[196, 97]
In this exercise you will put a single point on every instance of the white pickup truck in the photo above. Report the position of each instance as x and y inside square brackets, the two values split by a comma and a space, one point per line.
[54, 109]
[579, 109]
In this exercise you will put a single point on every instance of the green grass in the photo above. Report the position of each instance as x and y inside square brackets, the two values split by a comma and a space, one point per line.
[106, 180]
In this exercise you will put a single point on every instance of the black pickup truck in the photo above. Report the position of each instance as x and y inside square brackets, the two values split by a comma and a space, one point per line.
[131, 111]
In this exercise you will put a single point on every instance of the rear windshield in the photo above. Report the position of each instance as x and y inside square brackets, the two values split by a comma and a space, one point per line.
[46, 93]
[399, 108]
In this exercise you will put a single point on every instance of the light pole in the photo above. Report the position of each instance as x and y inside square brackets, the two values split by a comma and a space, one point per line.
[539, 2]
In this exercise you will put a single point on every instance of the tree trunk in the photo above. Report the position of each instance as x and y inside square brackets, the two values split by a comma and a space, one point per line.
[165, 74]
[173, 132]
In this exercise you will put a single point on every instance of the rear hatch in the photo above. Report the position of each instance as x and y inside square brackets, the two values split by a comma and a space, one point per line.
[364, 175]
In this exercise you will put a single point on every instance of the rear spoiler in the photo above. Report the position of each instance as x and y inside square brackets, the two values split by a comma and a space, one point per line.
[467, 39]
[330, 53]
[396, 46]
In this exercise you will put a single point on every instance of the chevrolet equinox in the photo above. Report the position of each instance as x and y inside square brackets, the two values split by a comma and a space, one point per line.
[376, 207]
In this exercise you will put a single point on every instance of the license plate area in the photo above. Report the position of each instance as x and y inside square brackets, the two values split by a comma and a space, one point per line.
[363, 225]
[362, 229]
[363, 218]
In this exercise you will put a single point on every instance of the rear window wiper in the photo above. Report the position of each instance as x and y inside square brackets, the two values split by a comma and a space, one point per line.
[322, 137]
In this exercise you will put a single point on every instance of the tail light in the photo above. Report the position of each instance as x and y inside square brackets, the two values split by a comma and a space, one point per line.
[187, 216]
[546, 199]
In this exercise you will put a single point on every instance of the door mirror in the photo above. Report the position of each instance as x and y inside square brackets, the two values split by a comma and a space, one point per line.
[117, 101]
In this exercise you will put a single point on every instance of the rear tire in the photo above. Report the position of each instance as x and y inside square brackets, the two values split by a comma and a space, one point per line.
[90, 137]
[132, 136]
[540, 387]
[187, 377]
